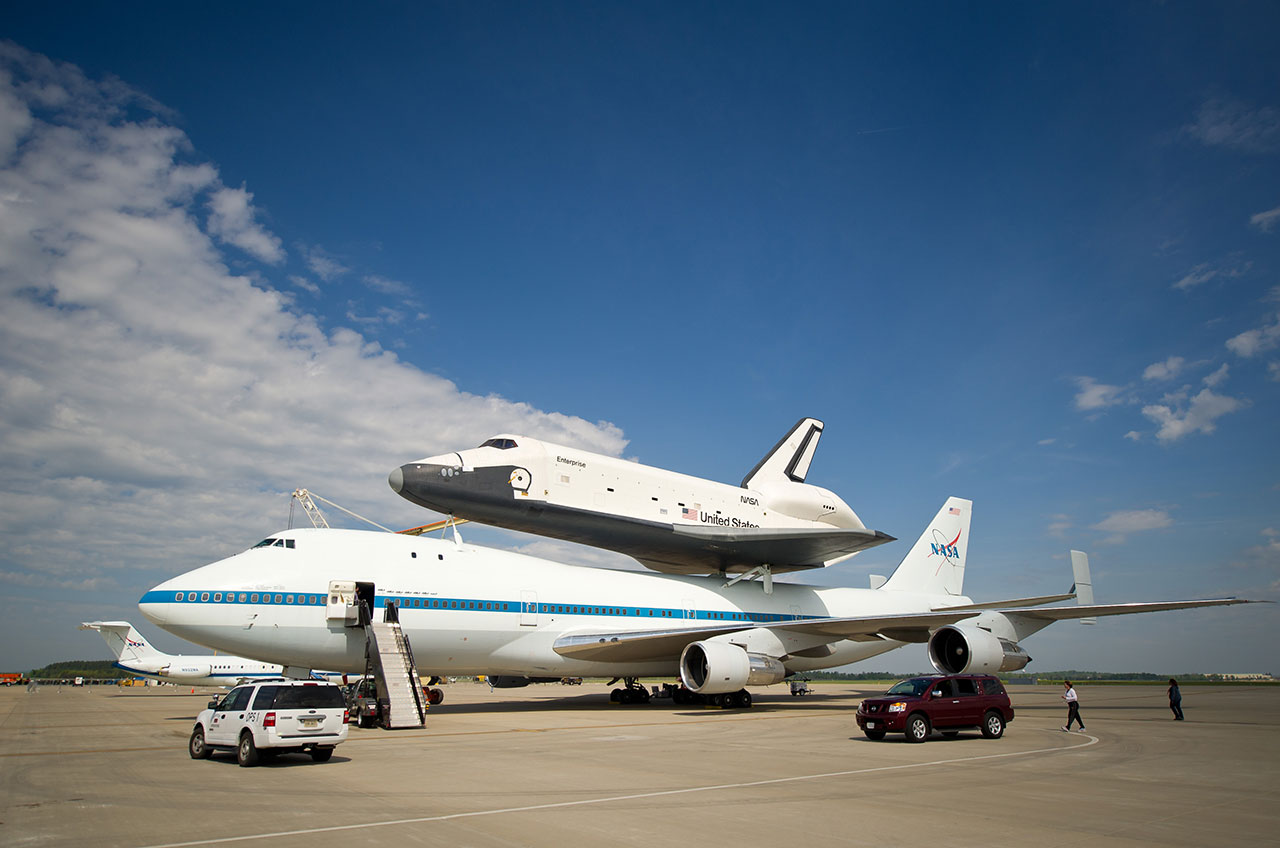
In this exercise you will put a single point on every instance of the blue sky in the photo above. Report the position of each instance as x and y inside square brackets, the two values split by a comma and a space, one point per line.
[1024, 254]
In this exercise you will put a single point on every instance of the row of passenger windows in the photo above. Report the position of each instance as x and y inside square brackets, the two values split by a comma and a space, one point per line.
[421, 603]
[250, 597]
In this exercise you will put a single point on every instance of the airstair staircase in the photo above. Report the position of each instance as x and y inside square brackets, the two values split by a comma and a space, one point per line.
[389, 659]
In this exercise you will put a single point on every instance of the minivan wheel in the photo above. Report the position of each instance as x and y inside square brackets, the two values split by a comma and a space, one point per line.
[917, 728]
[196, 747]
[246, 751]
[992, 725]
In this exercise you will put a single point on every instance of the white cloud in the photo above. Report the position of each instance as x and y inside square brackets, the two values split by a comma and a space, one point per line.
[1233, 125]
[386, 286]
[322, 264]
[1164, 370]
[1120, 524]
[1265, 220]
[1217, 376]
[158, 408]
[1095, 395]
[1198, 415]
[304, 284]
[231, 216]
[1252, 342]
[1205, 272]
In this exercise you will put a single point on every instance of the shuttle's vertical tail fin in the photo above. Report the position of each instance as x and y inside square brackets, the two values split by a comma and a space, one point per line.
[123, 640]
[789, 460]
[935, 563]
[1084, 583]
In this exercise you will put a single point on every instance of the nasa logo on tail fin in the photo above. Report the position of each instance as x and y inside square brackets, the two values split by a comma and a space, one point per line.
[790, 457]
[123, 639]
[935, 563]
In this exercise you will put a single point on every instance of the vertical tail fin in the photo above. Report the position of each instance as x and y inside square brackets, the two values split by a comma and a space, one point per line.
[789, 460]
[123, 640]
[935, 563]
[1084, 583]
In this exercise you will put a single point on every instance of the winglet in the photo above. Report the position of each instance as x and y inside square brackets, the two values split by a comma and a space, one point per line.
[790, 457]
[1084, 583]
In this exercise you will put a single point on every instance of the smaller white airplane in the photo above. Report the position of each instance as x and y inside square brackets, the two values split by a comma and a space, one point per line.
[773, 522]
[135, 655]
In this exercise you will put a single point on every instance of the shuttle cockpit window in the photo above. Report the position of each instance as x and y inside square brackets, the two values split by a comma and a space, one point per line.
[500, 444]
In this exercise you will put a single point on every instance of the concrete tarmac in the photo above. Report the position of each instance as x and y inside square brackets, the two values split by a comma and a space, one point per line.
[553, 765]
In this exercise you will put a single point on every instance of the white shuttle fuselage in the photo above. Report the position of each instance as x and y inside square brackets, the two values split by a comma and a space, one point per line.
[669, 521]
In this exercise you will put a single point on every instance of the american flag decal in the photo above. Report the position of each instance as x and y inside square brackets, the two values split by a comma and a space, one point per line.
[954, 511]
[691, 514]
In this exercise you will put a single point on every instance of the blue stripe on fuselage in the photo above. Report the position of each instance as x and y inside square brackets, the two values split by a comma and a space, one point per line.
[489, 605]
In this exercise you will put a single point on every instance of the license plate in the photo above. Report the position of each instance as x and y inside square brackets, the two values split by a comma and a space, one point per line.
[871, 724]
[311, 723]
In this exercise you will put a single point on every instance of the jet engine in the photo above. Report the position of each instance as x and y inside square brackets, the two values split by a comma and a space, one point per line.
[957, 649]
[715, 668]
[186, 671]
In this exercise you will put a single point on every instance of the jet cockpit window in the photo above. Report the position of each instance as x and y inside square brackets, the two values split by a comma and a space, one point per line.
[276, 543]
[500, 444]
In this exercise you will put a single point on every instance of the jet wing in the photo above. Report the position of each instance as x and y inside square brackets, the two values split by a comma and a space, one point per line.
[1086, 611]
[658, 645]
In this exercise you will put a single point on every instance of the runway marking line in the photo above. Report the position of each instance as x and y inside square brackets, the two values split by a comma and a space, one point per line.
[718, 787]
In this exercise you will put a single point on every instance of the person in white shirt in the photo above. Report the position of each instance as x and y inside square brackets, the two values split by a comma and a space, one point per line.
[1073, 706]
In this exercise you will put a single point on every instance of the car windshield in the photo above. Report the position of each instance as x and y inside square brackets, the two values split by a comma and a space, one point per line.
[915, 686]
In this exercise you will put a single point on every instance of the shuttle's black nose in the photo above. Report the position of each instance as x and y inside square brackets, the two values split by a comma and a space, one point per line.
[396, 480]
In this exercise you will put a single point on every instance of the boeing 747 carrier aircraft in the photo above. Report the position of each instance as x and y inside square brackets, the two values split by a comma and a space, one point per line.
[773, 522]
[472, 610]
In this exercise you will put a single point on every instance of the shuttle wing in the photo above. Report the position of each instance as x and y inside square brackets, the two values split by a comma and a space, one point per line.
[719, 549]
[657, 645]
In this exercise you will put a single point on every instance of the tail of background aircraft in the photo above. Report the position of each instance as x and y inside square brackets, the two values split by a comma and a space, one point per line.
[789, 460]
[124, 641]
[935, 563]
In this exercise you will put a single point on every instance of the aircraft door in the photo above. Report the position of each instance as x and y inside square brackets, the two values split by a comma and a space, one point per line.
[689, 611]
[528, 608]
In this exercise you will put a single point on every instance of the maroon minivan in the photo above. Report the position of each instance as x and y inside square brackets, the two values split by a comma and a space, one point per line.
[946, 703]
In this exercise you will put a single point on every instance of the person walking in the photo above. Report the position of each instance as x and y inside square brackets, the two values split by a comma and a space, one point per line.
[1175, 699]
[1073, 706]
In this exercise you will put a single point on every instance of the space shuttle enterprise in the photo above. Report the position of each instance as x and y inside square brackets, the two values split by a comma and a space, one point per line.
[773, 522]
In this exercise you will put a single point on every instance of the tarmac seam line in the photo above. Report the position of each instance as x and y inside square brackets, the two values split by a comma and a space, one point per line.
[1093, 740]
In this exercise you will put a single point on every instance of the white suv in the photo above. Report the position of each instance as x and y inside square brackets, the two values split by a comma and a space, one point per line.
[275, 716]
